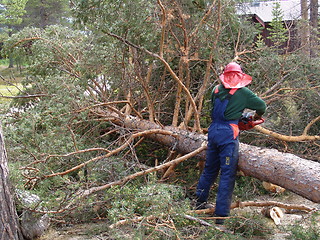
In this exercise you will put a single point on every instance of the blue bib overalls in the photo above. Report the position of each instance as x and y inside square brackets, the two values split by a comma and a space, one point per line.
[222, 155]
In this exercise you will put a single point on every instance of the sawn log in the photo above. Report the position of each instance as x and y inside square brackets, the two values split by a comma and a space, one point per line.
[296, 174]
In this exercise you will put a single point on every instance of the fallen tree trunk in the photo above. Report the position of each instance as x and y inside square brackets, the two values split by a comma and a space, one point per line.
[296, 174]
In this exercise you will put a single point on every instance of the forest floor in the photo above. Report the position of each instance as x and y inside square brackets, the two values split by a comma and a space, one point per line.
[304, 221]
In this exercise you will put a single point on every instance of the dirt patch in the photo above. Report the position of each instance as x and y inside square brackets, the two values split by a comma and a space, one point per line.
[88, 231]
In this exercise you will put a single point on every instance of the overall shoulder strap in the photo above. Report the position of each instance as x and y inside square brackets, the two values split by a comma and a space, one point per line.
[214, 93]
[233, 91]
[216, 90]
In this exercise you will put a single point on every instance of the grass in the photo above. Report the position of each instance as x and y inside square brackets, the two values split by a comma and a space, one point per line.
[12, 75]
[7, 90]
[9, 76]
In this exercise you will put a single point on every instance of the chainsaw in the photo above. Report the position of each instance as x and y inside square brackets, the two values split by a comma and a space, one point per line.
[248, 121]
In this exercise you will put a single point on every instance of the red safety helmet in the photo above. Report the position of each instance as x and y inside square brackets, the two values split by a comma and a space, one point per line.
[232, 67]
[234, 77]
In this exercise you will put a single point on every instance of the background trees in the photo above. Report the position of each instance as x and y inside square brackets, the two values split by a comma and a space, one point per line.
[10, 17]
[314, 31]
[46, 12]
[309, 27]
[18, 14]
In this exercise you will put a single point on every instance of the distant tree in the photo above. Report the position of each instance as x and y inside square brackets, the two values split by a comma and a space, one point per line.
[309, 27]
[304, 26]
[314, 18]
[277, 30]
[46, 12]
[10, 16]
[11, 12]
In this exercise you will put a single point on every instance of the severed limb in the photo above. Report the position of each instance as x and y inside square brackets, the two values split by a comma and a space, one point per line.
[260, 204]
[113, 152]
[275, 213]
[132, 220]
[202, 222]
[303, 137]
[150, 221]
[205, 223]
[172, 73]
[153, 217]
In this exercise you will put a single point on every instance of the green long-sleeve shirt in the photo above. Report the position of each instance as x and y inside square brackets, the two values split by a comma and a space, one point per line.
[243, 98]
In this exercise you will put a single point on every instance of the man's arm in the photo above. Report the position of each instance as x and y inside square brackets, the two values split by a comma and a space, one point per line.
[255, 103]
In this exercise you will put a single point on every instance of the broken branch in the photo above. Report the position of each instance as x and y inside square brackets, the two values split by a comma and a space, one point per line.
[172, 73]
[115, 151]
[141, 173]
[259, 204]
[286, 138]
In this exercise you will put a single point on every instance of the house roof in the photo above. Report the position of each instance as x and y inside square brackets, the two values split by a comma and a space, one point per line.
[263, 10]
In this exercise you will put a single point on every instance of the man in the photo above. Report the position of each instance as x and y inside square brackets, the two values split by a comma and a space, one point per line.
[229, 101]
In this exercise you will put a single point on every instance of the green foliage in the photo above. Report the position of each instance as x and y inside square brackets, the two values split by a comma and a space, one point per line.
[4, 62]
[309, 231]
[159, 202]
[15, 174]
[260, 41]
[11, 11]
[119, 17]
[213, 233]
[151, 151]
[247, 188]
[143, 28]
[290, 104]
[43, 13]
[302, 233]
[151, 199]
[249, 226]
[51, 191]
[277, 30]
[50, 124]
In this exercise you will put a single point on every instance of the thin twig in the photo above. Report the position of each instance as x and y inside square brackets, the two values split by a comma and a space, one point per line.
[110, 153]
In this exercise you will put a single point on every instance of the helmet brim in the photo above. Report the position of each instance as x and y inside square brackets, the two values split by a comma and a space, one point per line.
[235, 79]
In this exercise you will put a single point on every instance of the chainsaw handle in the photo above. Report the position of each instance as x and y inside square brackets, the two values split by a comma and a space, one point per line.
[257, 122]
[249, 123]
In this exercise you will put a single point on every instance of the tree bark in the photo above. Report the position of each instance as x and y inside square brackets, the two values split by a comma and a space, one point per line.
[10, 54]
[9, 224]
[304, 28]
[314, 6]
[296, 174]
